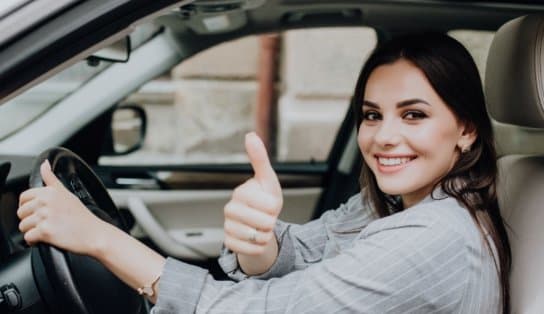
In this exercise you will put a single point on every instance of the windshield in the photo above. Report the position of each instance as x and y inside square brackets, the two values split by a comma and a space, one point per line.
[30, 105]
[23, 109]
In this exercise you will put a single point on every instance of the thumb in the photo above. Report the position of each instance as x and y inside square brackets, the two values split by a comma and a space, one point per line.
[48, 177]
[264, 173]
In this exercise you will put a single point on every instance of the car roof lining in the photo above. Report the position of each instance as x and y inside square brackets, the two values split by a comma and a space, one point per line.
[386, 14]
[392, 16]
[387, 17]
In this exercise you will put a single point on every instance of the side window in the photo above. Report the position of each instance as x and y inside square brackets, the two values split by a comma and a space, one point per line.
[477, 43]
[200, 111]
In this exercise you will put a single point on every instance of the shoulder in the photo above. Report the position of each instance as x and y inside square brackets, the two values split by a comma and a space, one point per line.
[354, 206]
[435, 220]
[433, 244]
[355, 213]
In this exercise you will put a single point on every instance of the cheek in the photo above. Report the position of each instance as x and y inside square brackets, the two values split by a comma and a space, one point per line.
[434, 140]
[364, 139]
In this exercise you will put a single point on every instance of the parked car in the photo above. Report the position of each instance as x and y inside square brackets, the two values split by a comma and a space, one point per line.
[78, 74]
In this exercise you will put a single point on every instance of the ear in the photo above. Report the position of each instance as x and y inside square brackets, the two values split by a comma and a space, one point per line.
[467, 137]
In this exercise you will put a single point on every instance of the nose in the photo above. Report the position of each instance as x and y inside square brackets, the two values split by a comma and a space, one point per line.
[388, 134]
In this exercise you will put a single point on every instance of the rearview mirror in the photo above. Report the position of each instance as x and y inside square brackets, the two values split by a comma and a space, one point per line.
[119, 51]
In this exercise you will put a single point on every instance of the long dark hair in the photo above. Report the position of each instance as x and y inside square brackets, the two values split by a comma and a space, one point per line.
[453, 74]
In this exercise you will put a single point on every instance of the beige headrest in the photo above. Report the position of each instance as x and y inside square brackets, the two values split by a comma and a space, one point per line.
[514, 78]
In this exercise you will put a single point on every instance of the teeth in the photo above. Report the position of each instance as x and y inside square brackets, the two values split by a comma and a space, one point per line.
[393, 161]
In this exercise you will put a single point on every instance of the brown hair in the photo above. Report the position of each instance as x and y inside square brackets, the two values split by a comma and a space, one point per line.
[453, 74]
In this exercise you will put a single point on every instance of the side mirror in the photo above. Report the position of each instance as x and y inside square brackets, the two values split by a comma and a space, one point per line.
[119, 51]
[127, 131]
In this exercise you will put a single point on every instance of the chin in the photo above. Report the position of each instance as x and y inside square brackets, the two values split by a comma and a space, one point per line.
[394, 189]
[400, 185]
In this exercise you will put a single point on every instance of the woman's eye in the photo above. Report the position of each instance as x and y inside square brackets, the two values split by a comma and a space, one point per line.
[414, 115]
[371, 115]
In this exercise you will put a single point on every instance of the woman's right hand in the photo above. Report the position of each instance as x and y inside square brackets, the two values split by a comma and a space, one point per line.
[251, 214]
[53, 215]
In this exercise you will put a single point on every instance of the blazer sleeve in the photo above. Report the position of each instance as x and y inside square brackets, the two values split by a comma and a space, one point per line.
[302, 245]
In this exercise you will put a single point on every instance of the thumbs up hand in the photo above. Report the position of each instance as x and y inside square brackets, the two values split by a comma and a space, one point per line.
[53, 215]
[251, 214]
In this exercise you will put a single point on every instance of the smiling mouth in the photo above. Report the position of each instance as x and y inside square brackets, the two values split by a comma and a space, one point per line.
[395, 161]
[393, 164]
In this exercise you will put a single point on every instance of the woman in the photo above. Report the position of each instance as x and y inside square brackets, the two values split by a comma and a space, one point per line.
[424, 235]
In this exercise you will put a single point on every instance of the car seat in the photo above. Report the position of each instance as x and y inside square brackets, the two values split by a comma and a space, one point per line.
[514, 88]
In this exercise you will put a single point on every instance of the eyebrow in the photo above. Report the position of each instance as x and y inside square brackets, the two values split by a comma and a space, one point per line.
[401, 104]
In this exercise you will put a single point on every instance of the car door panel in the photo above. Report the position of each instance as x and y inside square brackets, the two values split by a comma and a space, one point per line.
[188, 224]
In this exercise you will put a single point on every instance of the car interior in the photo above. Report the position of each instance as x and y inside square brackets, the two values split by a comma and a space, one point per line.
[183, 218]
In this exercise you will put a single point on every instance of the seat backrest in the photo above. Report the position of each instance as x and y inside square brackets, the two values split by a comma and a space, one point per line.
[514, 90]
[521, 197]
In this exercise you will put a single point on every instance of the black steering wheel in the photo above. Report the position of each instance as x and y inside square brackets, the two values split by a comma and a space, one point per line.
[71, 283]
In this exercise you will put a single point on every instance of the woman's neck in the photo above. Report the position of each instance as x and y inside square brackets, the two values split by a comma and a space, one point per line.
[411, 199]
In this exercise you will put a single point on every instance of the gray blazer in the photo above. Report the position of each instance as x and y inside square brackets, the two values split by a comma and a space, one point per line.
[429, 258]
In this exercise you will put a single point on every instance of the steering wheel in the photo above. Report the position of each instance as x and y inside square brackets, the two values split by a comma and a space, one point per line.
[71, 283]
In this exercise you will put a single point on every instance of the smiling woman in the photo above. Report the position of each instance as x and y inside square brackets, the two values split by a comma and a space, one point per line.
[442, 141]
[421, 235]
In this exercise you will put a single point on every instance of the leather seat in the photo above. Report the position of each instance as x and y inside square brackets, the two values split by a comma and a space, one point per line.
[514, 90]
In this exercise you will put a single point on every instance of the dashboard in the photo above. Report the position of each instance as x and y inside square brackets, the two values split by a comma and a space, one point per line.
[14, 173]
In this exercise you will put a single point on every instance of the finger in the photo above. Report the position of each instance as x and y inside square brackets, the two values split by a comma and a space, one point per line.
[30, 222]
[33, 236]
[28, 208]
[29, 195]
[244, 232]
[243, 247]
[251, 194]
[249, 216]
[264, 173]
[49, 178]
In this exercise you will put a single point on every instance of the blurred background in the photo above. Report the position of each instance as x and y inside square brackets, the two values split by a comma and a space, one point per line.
[279, 85]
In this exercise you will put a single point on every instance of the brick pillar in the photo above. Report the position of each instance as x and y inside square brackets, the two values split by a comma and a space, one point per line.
[266, 111]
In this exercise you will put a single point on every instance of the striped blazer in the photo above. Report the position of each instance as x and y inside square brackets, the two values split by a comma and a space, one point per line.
[429, 258]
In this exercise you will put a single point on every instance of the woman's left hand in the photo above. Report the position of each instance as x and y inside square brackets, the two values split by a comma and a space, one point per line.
[53, 215]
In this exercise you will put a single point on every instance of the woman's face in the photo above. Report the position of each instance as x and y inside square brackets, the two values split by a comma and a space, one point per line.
[408, 137]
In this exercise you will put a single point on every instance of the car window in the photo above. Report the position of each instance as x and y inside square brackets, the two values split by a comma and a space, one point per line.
[477, 43]
[200, 111]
